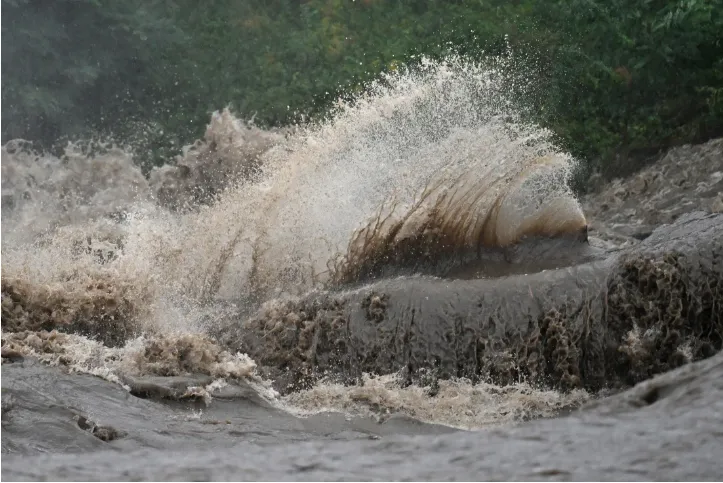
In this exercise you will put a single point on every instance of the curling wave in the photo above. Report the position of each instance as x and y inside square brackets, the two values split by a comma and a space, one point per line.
[432, 167]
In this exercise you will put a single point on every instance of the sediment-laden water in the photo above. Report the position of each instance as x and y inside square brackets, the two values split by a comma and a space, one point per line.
[412, 266]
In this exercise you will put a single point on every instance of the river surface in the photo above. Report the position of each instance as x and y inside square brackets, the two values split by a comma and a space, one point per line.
[668, 429]
[408, 289]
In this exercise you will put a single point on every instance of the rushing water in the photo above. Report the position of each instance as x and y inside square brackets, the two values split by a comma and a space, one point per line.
[431, 171]
[433, 160]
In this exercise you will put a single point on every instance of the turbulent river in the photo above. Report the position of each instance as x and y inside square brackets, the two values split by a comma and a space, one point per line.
[393, 292]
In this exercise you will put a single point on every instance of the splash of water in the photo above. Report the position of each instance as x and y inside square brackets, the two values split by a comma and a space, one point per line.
[456, 403]
[430, 163]
[432, 160]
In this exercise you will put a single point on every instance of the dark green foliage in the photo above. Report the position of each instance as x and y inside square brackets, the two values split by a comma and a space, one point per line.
[616, 80]
[634, 77]
[68, 65]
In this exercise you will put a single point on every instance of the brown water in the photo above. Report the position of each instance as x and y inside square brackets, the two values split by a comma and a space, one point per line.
[431, 172]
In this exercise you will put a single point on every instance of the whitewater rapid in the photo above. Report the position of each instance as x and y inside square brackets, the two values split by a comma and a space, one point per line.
[432, 163]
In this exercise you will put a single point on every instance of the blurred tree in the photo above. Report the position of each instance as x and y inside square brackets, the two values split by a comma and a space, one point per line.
[70, 64]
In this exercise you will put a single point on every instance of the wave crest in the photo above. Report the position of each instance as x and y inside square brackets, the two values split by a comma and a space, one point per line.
[431, 168]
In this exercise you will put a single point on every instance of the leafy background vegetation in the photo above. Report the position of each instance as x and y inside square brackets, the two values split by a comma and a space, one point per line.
[621, 79]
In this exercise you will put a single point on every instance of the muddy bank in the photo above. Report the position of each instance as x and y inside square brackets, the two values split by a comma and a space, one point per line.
[667, 428]
[614, 322]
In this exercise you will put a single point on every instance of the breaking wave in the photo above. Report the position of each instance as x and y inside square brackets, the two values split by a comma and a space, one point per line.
[433, 167]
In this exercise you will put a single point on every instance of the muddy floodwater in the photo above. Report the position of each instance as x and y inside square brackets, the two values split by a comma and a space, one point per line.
[669, 429]
[407, 290]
